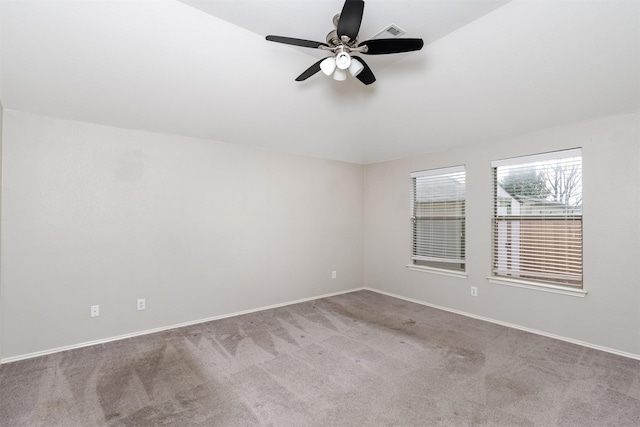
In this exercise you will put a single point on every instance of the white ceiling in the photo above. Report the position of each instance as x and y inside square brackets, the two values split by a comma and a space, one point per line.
[312, 20]
[202, 68]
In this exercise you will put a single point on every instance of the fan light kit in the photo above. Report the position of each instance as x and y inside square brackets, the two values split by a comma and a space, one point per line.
[343, 43]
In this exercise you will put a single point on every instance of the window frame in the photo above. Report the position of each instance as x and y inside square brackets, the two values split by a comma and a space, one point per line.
[545, 280]
[439, 264]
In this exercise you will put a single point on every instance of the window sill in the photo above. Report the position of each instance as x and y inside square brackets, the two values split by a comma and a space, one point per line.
[581, 293]
[439, 271]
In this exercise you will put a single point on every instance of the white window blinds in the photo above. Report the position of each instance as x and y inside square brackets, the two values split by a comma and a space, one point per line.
[537, 230]
[438, 218]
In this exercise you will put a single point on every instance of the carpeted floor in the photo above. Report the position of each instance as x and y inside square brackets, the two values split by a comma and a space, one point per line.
[359, 359]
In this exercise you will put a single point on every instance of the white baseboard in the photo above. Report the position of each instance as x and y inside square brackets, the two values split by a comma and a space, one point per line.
[165, 328]
[224, 316]
[511, 325]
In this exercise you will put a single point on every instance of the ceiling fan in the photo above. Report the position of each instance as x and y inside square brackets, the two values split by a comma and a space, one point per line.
[343, 44]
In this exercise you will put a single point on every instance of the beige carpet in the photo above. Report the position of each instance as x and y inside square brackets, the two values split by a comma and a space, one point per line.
[360, 359]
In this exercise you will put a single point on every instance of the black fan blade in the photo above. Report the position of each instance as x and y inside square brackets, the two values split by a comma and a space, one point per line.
[310, 71]
[384, 46]
[295, 42]
[366, 75]
[350, 19]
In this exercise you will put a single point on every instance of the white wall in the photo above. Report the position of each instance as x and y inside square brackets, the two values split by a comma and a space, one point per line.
[609, 316]
[100, 215]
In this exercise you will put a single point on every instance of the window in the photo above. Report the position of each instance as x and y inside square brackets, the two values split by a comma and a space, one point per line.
[438, 218]
[537, 226]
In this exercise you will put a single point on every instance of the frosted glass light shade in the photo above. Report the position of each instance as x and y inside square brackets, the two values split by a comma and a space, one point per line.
[343, 60]
[340, 75]
[356, 67]
[328, 65]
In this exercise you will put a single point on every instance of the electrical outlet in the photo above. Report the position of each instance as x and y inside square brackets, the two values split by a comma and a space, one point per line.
[474, 291]
[334, 274]
[95, 310]
[141, 304]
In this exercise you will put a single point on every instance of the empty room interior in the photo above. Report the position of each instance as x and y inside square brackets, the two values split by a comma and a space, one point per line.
[320, 212]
